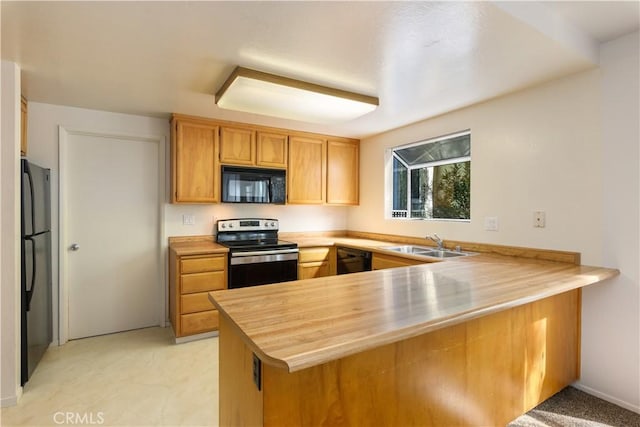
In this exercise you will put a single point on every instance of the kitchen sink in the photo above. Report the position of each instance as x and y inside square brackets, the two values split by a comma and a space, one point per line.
[408, 249]
[426, 251]
[444, 253]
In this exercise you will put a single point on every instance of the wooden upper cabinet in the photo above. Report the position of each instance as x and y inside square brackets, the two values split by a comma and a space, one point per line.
[343, 163]
[320, 169]
[194, 162]
[271, 150]
[237, 146]
[23, 126]
[306, 175]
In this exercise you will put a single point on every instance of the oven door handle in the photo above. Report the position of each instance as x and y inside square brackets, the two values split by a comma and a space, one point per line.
[262, 258]
[260, 253]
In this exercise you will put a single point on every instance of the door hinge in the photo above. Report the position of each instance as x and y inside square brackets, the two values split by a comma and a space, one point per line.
[257, 372]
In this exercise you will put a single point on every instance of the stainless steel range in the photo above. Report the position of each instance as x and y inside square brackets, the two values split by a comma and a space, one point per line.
[256, 255]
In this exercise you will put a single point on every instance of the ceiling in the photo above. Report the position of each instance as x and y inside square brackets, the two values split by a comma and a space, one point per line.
[421, 59]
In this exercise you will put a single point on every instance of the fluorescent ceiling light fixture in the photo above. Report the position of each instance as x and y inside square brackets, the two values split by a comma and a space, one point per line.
[271, 95]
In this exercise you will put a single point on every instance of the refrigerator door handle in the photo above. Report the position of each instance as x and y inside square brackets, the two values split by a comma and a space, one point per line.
[27, 171]
[29, 291]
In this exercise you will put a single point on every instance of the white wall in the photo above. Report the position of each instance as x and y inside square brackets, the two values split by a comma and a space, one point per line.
[43, 124]
[536, 150]
[542, 149]
[611, 313]
[10, 389]
[292, 217]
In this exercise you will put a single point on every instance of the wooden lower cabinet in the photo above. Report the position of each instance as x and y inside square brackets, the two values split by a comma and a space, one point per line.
[483, 372]
[382, 261]
[196, 323]
[191, 279]
[316, 262]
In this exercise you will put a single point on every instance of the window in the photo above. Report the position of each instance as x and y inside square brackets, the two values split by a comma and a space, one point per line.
[432, 179]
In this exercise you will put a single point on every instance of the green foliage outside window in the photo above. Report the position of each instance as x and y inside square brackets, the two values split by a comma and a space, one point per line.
[432, 179]
[452, 195]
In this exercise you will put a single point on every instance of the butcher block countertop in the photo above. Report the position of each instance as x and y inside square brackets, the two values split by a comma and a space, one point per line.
[197, 247]
[306, 323]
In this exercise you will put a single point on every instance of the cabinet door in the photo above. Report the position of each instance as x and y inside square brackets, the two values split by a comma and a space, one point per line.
[237, 146]
[23, 126]
[306, 176]
[271, 150]
[194, 160]
[195, 323]
[310, 270]
[316, 262]
[343, 172]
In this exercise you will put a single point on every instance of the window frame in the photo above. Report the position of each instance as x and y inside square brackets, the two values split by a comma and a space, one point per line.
[391, 155]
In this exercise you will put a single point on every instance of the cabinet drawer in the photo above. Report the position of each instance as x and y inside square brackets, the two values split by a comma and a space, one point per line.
[201, 282]
[196, 323]
[313, 254]
[193, 303]
[198, 265]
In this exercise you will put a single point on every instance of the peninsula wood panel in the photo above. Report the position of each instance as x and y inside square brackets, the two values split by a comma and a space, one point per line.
[486, 371]
[343, 172]
[237, 146]
[272, 149]
[241, 404]
[306, 175]
[194, 163]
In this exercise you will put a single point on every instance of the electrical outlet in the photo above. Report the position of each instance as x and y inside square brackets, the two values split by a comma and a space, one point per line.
[491, 223]
[188, 219]
[539, 219]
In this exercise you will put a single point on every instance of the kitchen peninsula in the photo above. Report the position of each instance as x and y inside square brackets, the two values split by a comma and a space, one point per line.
[477, 340]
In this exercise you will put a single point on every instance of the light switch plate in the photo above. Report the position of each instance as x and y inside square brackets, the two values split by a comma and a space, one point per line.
[188, 219]
[491, 223]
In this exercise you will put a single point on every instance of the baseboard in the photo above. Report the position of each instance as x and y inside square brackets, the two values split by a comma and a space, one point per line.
[12, 400]
[196, 337]
[607, 397]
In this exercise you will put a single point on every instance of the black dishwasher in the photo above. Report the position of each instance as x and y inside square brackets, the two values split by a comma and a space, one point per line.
[353, 260]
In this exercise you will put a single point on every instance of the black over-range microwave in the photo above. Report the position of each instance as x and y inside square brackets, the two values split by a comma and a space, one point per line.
[253, 185]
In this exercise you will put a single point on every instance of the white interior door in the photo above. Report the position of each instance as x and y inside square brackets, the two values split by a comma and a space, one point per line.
[111, 223]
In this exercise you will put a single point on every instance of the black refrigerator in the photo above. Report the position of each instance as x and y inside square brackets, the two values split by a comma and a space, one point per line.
[36, 322]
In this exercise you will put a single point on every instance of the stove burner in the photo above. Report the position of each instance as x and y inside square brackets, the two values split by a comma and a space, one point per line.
[253, 245]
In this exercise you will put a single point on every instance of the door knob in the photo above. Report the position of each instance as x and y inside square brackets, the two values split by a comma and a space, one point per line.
[74, 247]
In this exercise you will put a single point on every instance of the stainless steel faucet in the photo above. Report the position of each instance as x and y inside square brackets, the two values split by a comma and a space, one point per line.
[436, 239]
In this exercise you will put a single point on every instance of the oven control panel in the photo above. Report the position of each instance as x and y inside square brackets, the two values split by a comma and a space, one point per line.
[248, 224]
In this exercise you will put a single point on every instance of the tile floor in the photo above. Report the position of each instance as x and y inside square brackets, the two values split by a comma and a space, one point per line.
[134, 378]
